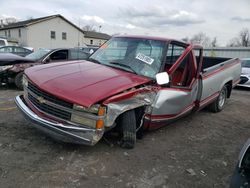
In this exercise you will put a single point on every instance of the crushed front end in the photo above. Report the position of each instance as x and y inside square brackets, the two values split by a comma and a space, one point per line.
[61, 119]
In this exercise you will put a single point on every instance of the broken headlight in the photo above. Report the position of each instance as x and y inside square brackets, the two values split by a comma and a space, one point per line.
[98, 110]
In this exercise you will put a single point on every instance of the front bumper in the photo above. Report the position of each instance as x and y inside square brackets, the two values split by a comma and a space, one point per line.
[61, 131]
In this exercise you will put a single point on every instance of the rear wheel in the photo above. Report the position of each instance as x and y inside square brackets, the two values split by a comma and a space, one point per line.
[19, 80]
[128, 127]
[219, 103]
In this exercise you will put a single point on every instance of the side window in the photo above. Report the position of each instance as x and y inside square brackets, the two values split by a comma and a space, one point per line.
[77, 54]
[19, 49]
[173, 53]
[8, 49]
[184, 73]
[59, 55]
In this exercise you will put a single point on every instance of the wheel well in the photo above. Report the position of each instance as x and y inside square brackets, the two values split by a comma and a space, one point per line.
[139, 111]
[229, 88]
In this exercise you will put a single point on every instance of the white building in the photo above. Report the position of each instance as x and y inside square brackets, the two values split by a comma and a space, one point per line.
[93, 38]
[47, 32]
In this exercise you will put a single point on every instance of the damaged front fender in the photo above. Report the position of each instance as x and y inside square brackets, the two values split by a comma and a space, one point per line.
[128, 101]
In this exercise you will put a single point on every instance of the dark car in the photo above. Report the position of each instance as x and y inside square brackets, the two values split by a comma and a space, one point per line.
[15, 50]
[12, 66]
[241, 176]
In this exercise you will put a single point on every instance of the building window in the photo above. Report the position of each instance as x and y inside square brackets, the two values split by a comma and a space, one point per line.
[91, 41]
[52, 34]
[64, 36]
[5, 33]
[19, 33]
[9, 35]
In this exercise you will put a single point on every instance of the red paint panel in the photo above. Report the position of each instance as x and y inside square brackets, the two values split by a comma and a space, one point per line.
[129, 94]
[83, 82]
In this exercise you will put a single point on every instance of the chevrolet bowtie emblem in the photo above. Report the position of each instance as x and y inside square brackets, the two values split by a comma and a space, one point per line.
[41, 100]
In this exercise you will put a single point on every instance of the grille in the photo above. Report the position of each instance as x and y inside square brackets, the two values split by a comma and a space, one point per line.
[48, 108]
[243, 79]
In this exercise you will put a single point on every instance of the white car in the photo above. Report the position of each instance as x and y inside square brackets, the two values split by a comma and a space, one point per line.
[245, 73]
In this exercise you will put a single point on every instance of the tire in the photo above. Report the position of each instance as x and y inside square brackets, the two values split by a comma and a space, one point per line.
[19, 80]
[128, 127]
[220, 102]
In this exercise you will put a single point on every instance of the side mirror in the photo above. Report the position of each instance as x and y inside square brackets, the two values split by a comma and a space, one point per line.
[162, 78]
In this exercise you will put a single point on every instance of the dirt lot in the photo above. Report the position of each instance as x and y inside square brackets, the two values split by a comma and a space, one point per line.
[197, 151]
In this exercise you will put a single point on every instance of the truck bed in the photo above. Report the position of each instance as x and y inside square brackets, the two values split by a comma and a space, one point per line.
[211, 61]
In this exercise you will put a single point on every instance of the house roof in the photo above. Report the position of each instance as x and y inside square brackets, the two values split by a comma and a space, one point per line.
[34, 21]
[93, 34]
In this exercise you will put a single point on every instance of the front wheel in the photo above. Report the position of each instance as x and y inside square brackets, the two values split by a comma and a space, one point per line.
[128, 127]
[219, 103]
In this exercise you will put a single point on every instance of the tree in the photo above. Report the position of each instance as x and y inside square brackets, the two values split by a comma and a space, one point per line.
[88, 28]
[242, 39]
[234, 42]
[8, 20]
[202, 39]
[214, 42]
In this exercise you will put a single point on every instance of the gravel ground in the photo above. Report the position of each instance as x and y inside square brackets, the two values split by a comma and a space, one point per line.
[199, 150]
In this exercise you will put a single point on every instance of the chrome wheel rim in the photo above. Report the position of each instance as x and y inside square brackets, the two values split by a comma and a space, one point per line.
[222, 98]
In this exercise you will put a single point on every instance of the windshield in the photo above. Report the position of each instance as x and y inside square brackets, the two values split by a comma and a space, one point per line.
[37, 54]
[246, 63]
[140, 56]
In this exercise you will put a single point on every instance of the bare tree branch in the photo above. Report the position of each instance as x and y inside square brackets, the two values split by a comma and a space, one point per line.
[88, 28]
[202, 39]
[242, 40]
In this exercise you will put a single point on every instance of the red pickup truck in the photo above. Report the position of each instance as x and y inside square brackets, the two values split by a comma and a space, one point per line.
[130, 84]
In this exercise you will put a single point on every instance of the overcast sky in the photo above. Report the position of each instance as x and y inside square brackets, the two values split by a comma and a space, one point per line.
[170, 18]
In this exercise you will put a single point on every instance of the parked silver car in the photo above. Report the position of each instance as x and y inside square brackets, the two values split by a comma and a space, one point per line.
[245, 73]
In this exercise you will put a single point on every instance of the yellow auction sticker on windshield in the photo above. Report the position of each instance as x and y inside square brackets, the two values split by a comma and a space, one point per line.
[144, 58]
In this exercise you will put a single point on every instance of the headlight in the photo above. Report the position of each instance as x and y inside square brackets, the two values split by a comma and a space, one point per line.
[82, 120]
[3, 68]
[25, 81]
[95, 109]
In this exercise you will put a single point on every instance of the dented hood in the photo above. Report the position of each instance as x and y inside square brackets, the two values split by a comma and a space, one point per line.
[12, 59]
[82, 82]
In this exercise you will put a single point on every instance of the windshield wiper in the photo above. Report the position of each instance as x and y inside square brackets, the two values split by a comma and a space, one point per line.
[124, 65]
[94, 60]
